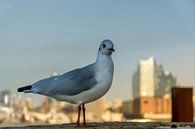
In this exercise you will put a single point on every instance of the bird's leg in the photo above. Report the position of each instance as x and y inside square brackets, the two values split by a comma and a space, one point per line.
[84, 121]
[78, 119]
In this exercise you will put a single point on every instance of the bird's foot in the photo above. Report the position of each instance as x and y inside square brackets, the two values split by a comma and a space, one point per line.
[81, 125]
[84, 124]
[78, 125]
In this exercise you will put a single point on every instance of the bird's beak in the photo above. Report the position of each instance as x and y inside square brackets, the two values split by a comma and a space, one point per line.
[111, 49]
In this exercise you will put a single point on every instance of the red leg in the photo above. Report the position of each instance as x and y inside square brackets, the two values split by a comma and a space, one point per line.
[84, 121]
[78, 119]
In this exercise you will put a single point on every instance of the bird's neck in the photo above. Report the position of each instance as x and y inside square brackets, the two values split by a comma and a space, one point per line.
[104, 61]
[104, 68]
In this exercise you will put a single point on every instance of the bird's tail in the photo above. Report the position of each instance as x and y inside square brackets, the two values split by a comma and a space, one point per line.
[25, 89]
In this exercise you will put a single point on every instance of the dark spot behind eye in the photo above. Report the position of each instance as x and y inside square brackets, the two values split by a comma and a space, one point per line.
[104, 45]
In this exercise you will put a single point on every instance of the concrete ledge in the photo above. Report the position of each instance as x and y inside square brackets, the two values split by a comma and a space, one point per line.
[109, 125]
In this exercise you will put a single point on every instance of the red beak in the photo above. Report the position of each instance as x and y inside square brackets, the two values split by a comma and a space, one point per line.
[111, 49]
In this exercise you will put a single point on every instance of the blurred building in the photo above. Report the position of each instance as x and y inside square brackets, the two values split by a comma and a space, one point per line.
[152, 88]
[182, 104]
[97, 106]
[152, 105]
[114, 106]
[95, 109]
[113, 111]
[127, 107]
[6, 97]
[152, 80]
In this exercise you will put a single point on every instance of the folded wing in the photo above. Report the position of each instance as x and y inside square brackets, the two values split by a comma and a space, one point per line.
[71, 83]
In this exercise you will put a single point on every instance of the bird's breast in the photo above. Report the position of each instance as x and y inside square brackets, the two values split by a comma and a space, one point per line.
[104, 73]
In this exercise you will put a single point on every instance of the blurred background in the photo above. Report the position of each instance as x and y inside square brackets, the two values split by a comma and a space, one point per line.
[155, 51]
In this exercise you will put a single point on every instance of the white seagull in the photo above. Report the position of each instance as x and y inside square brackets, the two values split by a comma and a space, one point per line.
[82, 85]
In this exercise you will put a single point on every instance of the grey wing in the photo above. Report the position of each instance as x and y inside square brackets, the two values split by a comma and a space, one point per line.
[71, 83]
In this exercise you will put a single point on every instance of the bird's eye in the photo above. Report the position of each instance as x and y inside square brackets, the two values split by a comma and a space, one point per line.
[104, 45]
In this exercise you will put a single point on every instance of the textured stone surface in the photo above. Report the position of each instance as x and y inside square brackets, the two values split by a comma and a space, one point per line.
[109, 125]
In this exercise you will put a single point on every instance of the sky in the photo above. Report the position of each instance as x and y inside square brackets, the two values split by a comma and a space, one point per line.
[38, 37]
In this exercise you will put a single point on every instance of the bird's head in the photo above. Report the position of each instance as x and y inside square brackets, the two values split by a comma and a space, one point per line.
[106, 47]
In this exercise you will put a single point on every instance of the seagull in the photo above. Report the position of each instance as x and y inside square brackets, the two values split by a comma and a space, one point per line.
[82, 85]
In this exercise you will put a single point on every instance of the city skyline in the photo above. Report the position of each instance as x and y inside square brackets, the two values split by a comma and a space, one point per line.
[42, 37]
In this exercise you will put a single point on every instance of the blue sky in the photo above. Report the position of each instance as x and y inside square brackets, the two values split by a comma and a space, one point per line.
[40, 37]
